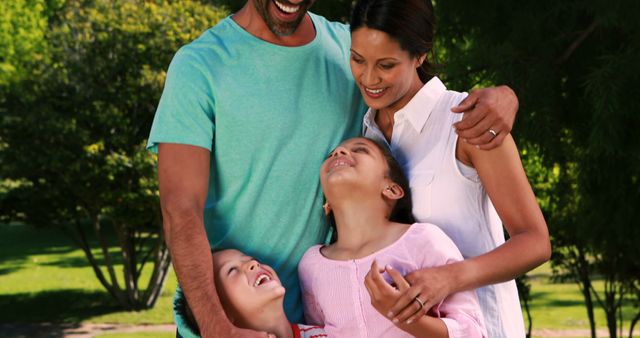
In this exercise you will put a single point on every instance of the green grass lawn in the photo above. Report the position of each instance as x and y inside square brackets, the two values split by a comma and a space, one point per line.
[44, 277]
[561, 306]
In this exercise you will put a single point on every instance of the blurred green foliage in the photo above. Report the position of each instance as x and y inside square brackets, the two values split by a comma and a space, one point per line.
[75, 123]
[22, 42]
[574, 65]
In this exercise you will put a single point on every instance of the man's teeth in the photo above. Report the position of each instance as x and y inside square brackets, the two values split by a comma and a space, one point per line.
[374, 91]
[262, 279]
[287, 9]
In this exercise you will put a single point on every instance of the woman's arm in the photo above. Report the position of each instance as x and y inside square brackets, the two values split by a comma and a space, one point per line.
[383, 296]
[505, 181]
[457, 317]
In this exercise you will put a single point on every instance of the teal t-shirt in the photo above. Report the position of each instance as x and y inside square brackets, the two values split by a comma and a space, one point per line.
[269, 115]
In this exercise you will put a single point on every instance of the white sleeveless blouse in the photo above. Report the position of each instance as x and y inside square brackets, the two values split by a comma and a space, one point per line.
[424, 143]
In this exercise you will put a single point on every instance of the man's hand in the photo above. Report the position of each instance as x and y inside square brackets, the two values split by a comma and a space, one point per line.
[489, 114]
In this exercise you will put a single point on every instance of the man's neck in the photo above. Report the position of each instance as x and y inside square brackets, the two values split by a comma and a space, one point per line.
[250, 20]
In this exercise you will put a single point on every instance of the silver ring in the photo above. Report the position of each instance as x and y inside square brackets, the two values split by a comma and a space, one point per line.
[419, 302]
[493, 132]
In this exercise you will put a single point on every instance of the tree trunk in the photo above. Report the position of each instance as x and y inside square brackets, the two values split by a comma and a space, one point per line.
[585, 283]
[610, 307]
[633, 324]
[105, 252]
[125, 241]
[586, 293]
[158, 278]
[82, 241]
[524, 291]
[611, 323]
[130, 298]
[529, 320]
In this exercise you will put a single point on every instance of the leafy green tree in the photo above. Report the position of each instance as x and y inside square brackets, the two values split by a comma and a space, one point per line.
[574, 66]
[23, 25]
[74, 136]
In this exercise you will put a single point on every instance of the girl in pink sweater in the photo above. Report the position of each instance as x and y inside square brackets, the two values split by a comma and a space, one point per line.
[350, 285]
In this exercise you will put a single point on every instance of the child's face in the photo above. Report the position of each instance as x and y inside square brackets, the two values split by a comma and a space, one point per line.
[244, 285]
[355, 161]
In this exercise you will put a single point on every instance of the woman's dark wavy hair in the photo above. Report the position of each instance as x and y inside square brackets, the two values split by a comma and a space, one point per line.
[402, 211]
[410, 22]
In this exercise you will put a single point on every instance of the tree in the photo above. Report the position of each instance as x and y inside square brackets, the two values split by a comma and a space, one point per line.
[23, 25]
[574, 66]
[74, 136]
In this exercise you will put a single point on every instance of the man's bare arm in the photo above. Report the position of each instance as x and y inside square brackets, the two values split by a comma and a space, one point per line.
[183, 172]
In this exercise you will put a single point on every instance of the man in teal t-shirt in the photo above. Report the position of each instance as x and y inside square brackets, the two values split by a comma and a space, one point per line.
[245, 120]
[249, 111]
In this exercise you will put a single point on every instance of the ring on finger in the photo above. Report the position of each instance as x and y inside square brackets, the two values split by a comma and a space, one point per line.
[419, 302]
[492, 132]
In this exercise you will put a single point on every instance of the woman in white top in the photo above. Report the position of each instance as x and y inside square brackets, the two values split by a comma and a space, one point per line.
[469, 192]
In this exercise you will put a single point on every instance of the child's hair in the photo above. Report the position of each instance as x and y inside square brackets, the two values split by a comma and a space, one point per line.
[402, 210]
[182, 308]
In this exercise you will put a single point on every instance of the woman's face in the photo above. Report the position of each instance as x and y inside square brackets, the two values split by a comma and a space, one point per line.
[245, 286]
[356, 162]
[385, 73]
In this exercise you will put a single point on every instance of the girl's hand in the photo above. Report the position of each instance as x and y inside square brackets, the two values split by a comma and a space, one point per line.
[429, 285]
[383, 295]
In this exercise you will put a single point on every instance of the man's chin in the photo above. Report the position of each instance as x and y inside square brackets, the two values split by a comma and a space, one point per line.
[284, 30]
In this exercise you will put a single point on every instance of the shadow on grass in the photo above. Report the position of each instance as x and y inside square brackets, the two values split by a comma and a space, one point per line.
[7, 270]
[35, 330]
[60, 306]
[72, 262]
[545, 299]
[19, 242]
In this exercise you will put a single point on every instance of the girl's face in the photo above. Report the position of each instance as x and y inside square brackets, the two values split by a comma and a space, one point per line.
[355, 162]
[385, 73]
[245, 286]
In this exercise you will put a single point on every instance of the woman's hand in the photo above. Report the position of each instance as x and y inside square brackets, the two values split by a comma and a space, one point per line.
[429, 285]
[484, 110]
[384, 295]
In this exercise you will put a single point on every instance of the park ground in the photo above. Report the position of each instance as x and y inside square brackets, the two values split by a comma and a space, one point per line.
[48, 289]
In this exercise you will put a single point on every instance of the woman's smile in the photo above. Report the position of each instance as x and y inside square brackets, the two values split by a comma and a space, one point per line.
[374, 93]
